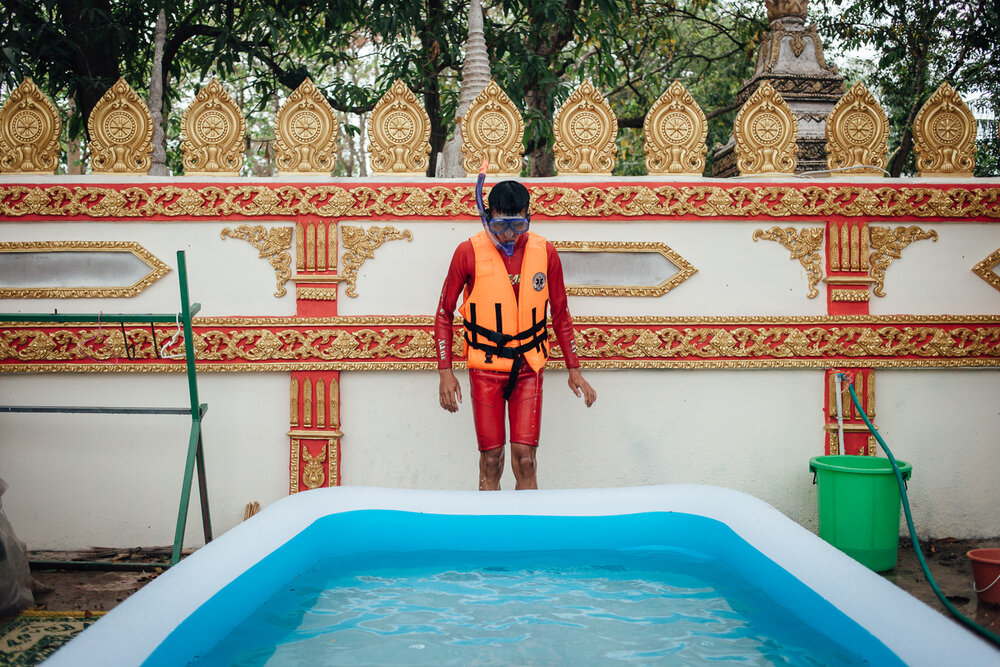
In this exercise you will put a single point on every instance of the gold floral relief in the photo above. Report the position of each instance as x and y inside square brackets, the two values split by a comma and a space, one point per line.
[805, 246]
[887, 244]
[675, 131]
[765, 133]
[212, 133]
[585, 129]
[29, 132]
[121, 132]
[986, 269]
[944, 135]
[857, 132]
[272, 244]
[399, 133]
[316, 293]
[407, 343]
[313, 475]
[157, 269]
[305, 133]
[492, 129]
[360, 245]
[739, 200]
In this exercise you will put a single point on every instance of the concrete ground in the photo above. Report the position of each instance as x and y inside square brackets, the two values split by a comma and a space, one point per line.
[94, 590]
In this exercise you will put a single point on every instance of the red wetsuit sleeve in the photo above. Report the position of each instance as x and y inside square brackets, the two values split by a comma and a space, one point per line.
[460, 273]
[562, 321]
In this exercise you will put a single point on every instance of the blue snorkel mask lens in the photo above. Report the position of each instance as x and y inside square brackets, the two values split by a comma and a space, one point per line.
[497, 226]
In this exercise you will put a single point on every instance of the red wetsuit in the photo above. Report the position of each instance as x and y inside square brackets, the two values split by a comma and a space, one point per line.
[524, 404]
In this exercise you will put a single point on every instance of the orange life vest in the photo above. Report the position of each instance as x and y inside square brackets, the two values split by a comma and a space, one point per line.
[501, 330]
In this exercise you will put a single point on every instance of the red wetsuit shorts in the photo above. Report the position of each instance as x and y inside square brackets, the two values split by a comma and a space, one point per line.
[488, 407]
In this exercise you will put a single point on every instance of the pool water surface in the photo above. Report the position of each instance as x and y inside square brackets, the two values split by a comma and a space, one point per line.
[632, 606]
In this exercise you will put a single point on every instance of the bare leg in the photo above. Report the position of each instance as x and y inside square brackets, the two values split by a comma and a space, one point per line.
[490, 469]
[523, 462]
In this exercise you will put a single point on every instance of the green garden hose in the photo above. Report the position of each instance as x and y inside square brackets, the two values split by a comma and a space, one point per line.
[991, 636]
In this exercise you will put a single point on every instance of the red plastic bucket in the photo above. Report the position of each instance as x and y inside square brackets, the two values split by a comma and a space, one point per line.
[986, 574]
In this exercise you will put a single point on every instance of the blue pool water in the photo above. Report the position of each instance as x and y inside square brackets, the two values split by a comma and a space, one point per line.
[631, 606]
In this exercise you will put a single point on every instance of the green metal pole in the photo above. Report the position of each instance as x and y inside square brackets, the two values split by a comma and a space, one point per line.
[182, 509]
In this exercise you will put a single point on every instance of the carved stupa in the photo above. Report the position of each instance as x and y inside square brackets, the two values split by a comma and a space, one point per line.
[790, 58]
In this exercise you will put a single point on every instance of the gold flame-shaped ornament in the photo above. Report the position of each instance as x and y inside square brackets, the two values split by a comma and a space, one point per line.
[944, 135]
[121, 132]
[399, 133]
[212, 132]
[765, 133]
[29, 132]
[585, 128]
[675, 131]
[305, 133]
[856, 134]
[492, 129]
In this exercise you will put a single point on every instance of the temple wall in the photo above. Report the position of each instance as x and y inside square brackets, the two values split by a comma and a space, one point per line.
[720, 380]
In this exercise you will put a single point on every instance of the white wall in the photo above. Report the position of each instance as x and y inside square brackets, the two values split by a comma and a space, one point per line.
[89, 480]
[225, 275]
[749, 430]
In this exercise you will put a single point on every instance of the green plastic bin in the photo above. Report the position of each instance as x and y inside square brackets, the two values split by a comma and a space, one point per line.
[859, 506]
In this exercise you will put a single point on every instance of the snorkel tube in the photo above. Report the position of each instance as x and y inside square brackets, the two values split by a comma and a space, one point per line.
[505, 248]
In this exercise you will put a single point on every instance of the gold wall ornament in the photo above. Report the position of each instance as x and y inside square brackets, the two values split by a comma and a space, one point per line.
[406, 343]
[316, 293]
[887, 245]
[29, 132]
[313, 475]
[856, 134]
[944, 135]
[305, 133]
[985, 269]
[849, 243]
[765, 133]
[585, 129]
[399, 133]
[121, 132]
[849, 295]
[212, 133]
[272, 244]
[684, 268]
[360, 245]
[741, 200]
[804, 244]
[675, 131]
[492, 129]
[157, 269]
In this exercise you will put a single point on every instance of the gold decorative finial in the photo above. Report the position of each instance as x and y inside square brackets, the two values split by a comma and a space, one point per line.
[399, 133]
[492, 129]
[585, 128]
[121, 132]
[212, 132]
[675, 131]
[305, 133]
[765, 134]
[779, 9]
[944, 135]
[29, 132]
[856, 134]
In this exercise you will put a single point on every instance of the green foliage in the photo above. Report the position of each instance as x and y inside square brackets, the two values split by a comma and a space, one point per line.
[916, 45]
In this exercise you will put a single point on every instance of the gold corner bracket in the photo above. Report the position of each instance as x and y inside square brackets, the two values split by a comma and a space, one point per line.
[360, 245]
[804, 244]
[272, 244]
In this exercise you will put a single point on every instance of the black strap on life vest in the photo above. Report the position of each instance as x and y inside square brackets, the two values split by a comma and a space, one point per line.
[535, 338]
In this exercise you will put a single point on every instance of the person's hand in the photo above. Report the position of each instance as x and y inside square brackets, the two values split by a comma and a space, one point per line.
[581, 387]
[450, 392]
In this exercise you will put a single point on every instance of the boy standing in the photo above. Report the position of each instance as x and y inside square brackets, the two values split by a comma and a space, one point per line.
[509, 277]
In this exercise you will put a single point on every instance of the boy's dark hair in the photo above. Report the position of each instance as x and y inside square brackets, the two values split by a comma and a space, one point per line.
[508, 198]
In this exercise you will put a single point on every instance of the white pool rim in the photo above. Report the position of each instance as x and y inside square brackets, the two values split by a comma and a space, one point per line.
[916, 633]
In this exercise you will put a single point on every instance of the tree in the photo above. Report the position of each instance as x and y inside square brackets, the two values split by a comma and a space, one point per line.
[917, 45]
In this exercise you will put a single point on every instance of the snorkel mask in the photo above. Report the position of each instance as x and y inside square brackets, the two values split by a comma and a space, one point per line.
[496, 226]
